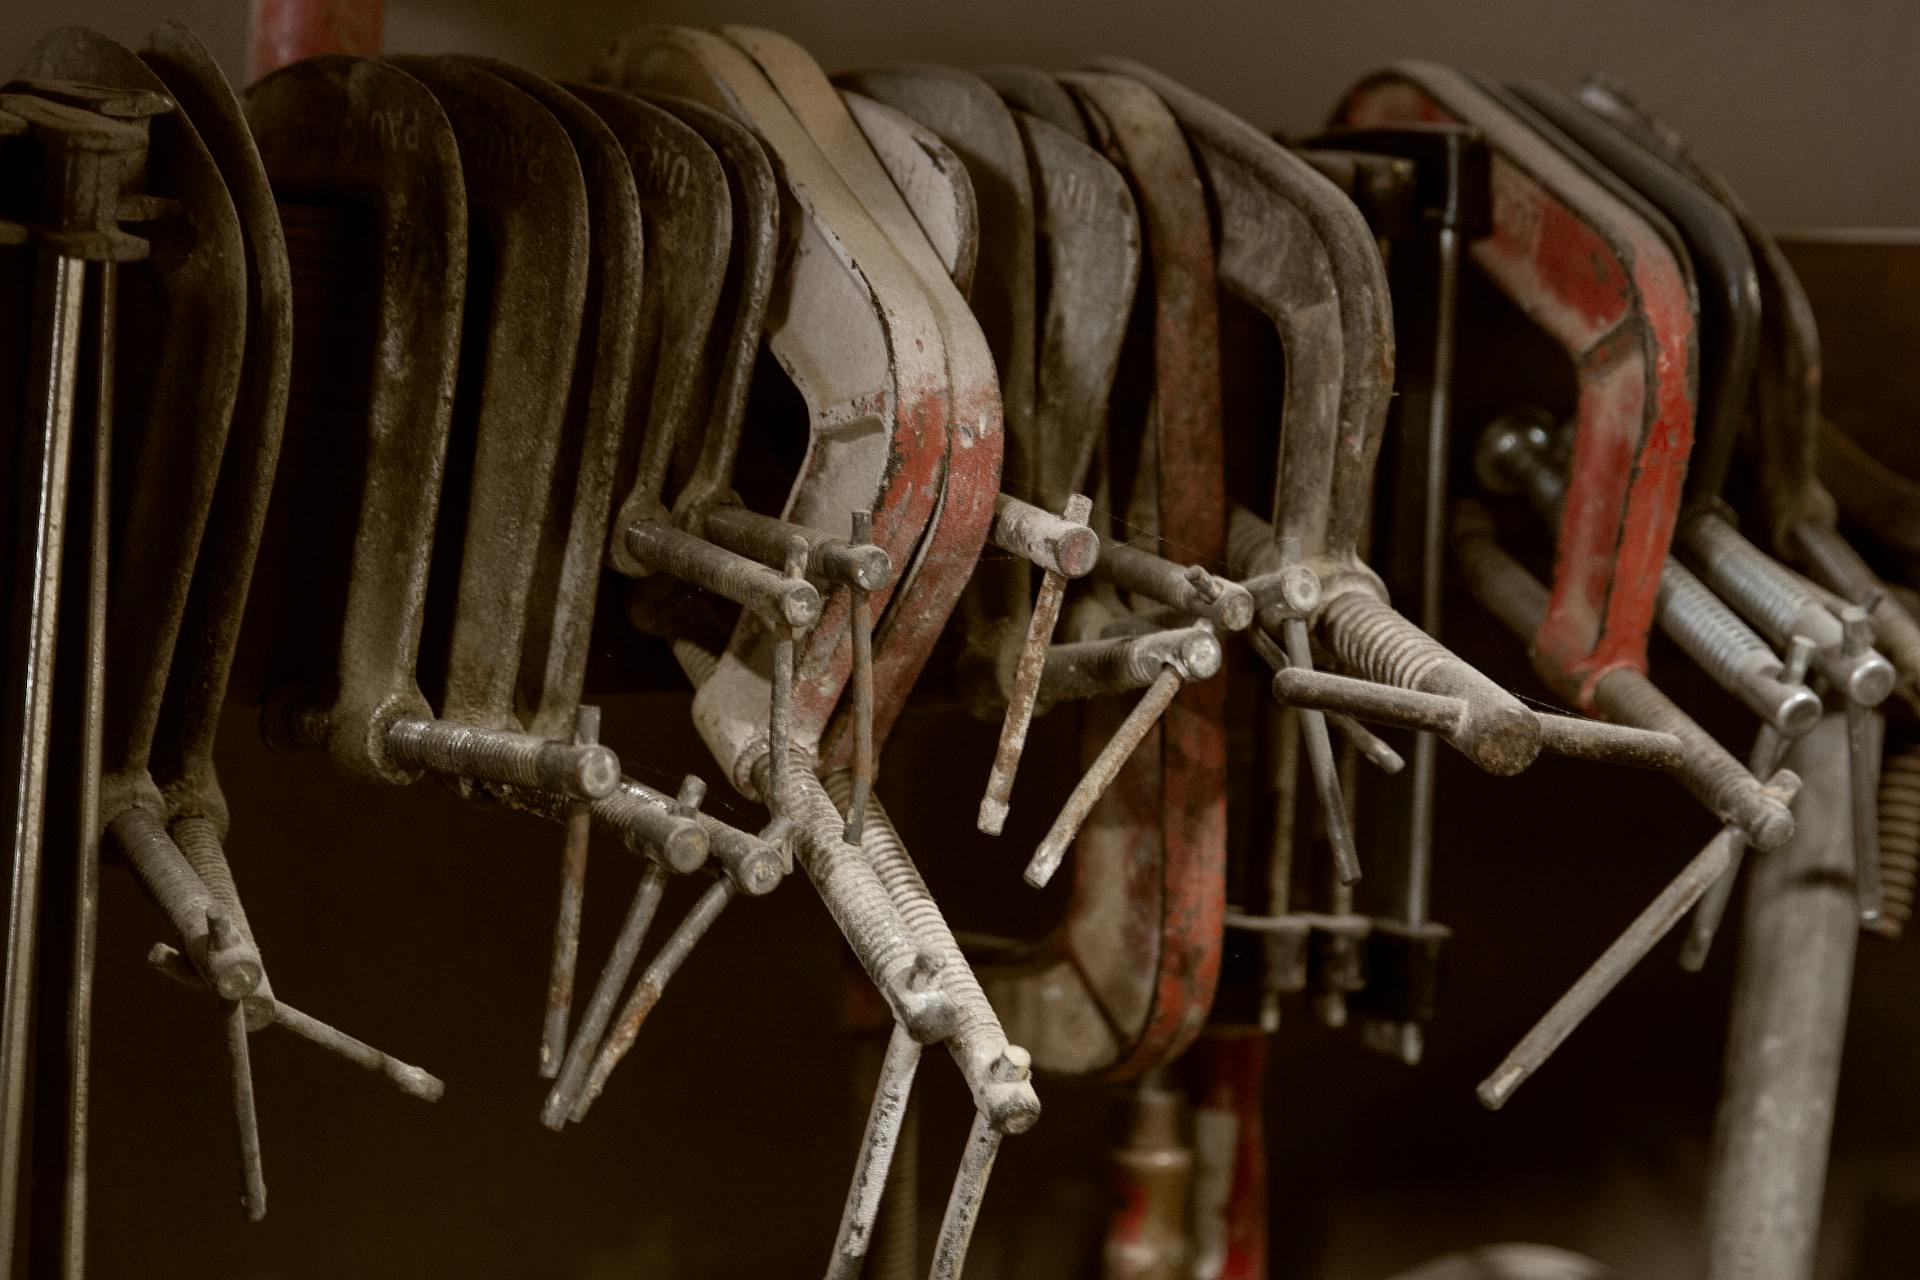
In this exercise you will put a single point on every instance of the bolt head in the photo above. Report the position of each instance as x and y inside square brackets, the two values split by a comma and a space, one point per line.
[800, 604]
[1076, 551]
[761, 874]
[599, 772]
[1508, 449]
[1235, 612]
[685, 849]
[1797, 713]
[1200, 656]
[1871, 680]
[1300, 589]
[1013, 1065]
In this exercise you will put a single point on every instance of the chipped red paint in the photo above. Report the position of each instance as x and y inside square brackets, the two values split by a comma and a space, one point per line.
[1600, 281]
[917, 470]
[1191, 757]
[1125, 982]
[1226, 1082]
[284, 31]
[958, 530]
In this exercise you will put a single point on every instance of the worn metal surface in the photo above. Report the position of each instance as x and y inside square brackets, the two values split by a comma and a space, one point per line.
[1769, 749]
[1434, 196]
[1089, 242]
[909, 976]
[1124, 980]
[86, 889]
[687, 219]
[1706, 769]
[693, 369]
[349, 140]
[41, 467]
[1327, 299]
[892, 1095]
[728, 360]
[1513, 455]
[930, 584]
[1090, 247]
[1786, 393]
[1791, 987]
[566, 926]
[210, 626]
[1728, 282]
[413, 1081]
[168, 462]
[1038, 94]
[965, 113]
[94, 141]
[850, 325]
[1188, 588]
[572, 539]
[931, 179]
[1093, 668]
[527, 274]
[647, 991]
[1598, 280]
[996, 1072]
[571, 1079]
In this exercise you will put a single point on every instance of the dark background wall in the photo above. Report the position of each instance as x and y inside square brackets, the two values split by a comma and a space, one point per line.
[722, 1147]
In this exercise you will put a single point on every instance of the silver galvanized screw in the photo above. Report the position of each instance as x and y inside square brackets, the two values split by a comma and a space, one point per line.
[1696, 619]
[1769, 594]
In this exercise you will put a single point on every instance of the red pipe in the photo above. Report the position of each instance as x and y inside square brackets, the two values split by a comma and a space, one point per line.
[284, 31]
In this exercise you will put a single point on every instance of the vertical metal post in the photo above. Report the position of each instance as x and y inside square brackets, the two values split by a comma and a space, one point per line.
[1791, 993]
[86, 898]
[40, 472]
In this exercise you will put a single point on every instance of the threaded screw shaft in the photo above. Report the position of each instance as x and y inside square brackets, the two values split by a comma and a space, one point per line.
[1708, 770]
[1728, 650]
[887, 949]
[587, 772]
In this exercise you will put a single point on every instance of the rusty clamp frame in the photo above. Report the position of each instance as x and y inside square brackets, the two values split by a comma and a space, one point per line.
[1630, 334]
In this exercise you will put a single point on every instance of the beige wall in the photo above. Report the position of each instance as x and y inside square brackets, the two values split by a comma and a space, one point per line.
[1809, 108]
